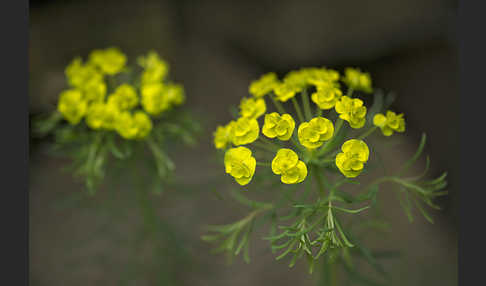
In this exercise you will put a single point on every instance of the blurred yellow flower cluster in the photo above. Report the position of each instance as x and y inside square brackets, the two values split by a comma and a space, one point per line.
[316, 134]
[95, 95]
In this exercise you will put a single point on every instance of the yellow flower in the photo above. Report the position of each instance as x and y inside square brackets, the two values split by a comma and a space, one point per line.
[352, 110]
[155, 69]
[252, 108]
[278, 126]
[126, 125]
[133, 126]
[111, 61]
[125, 97]
[222, 135]
[244, 131]
[358, 80]
[327, 95]
[94, 90]
[143, 123]
[263, 85]
[175, 94]
[79, 74]
[285, 91]
[298, 78]
[72, 105]
[240, 164]
[389, 123]
[351, 161]
[312, 134]
[287, 164]
[102, 116]
[154, 99]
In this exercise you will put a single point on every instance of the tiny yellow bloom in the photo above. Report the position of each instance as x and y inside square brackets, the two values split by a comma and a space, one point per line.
[124, 97]
[252, 108]
[244, 131]
[102, 116]
[143, 123]
[352, 110]
[312, 134]
[327, 95]
[222, 135]
[79, 74]
[110, 61]
[317, 76]
[280, 126]
[285, 91]
[351, 160]
[154, 99]
[389, 123]
[155, 69]
[265, 84]
[287, 164]
[72, 105]
[175, 94]
[94, 90]
[126, 125]
[358, 80]
[240, 164]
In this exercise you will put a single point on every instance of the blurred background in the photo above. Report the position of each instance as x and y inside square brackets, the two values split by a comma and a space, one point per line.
[215, 48]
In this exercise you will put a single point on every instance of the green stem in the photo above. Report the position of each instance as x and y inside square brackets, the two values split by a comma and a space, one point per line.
[367, 133]
[321, 183]
[319, 111]
[277, 104]
[263, 164]
[297, 109]
[350, 92]
[325, 147]
[268, 142]
[264, 146]
[306, 103]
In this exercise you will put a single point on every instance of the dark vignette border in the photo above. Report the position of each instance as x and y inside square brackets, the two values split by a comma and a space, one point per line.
[14, 155]
[472, 77]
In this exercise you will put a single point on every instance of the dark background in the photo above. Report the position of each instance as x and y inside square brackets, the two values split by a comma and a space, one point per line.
[215, 49]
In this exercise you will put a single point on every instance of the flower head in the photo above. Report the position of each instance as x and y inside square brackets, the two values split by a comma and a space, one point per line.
[133, 126]
[287, 164]
[240, 164]
[327, 95]
[102, 116]
[222, 135]
[285, 91]
[79, 74]
[280, 126]
[389, 123]
[351, 160]
[125, 97]
[312, 134]
[265, 84]
[252, 107]
[110, 61]
[175, 94]
[244, 131]
[352, 110]
[72, 105]
[155, 69]
[154, 99]
[358, 80]
[318, 76]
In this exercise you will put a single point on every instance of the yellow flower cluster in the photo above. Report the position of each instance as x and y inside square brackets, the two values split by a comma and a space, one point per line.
[352, 110]
[287, 164]
[351, 160]
[358, 80]
[125, 110]
[389, 123]
[311, 134]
